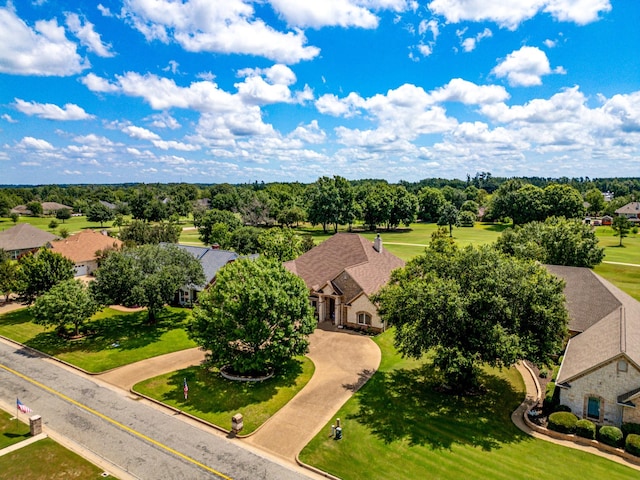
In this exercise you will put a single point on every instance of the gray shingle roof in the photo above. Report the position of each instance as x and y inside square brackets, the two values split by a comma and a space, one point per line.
[211, 259]
[617, 334]
[588, 300]
[24, 237]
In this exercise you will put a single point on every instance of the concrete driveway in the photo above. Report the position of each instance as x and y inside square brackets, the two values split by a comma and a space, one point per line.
[344, 362]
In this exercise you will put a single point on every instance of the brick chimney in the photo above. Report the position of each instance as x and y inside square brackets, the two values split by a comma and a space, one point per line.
[377, 243]
[215, 246]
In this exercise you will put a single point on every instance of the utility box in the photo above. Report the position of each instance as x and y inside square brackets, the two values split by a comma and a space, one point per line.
[35, 425]
[237, 422]
[338, 433]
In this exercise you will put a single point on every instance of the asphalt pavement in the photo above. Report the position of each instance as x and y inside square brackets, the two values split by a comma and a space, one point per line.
[145, 442]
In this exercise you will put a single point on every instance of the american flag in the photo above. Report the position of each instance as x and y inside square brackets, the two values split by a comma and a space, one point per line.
[22, 407]
[185, 389]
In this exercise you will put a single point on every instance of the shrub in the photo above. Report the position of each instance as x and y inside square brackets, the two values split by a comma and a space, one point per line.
[562, 408]
[550, 398]
[563, 422]
[632, 444]
[628, 428]
[586, 429]
[610, 436]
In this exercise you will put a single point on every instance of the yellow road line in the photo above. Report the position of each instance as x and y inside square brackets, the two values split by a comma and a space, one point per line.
[115, 422]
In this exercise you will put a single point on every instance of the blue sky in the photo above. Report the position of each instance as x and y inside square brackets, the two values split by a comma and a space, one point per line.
[212, 91]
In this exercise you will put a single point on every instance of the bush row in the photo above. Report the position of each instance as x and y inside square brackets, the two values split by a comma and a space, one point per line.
[628, 436]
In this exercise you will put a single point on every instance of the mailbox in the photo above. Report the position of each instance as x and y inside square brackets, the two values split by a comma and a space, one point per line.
[237, 422]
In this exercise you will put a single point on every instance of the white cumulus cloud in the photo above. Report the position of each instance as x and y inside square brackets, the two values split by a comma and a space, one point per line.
[83, 29]
[39, 50]
[510, 14]
[524, 67]
[32, 143]
[52, 112]
[228, 26]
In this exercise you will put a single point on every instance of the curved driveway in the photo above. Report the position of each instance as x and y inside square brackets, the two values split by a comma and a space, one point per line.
[343, 362]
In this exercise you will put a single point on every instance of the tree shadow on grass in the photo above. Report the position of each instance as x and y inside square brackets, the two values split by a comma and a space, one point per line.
[405, 405]
[497, 227]
[118, 331]
[209, 392]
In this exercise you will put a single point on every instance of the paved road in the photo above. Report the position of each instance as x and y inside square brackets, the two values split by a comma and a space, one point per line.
[146, 442]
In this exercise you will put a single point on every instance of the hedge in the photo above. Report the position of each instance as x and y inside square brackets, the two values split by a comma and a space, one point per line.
[586, 429]
[563, 422]
[628, 428]
[632, 444]
[610, 436]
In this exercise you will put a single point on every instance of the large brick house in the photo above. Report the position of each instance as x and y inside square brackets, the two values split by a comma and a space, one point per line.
[599, 377]
[341, 274]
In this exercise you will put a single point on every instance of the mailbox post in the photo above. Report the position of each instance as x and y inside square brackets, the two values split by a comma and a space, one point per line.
[237, 423]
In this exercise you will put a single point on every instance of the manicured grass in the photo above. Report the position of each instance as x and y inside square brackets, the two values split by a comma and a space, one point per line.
[73, 224]
[11, 431]
[399, 426]
[190, 237]
[628, 253]
[622, 276]
[47, 460]
[216, 400]
[115, 338]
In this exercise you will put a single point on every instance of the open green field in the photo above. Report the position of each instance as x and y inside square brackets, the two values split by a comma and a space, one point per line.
[11, 431]
[73, 224]
[216, 400]
[115, 338]
[399, 426]
[46, 460]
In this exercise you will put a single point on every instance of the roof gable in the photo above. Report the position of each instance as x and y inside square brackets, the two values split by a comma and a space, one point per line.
[618, 333]
[345, 253]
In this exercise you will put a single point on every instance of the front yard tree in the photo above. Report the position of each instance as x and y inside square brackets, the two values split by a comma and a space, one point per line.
[255, 317]
[9, 276]
[471, 307]
[621, 227]
[282, 244]
[67, 303]
[39, 272]
[146, 276]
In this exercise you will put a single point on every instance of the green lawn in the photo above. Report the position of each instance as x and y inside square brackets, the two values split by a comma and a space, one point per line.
[399, 426]
[628, 253]
[11, 431]
[115, 339]
[73, 224]
[624, 277]
[216, 400]
[46, 460]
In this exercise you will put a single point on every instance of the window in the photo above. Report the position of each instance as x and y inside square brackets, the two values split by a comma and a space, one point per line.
[622, 366]
[593, 408]
[364, 318]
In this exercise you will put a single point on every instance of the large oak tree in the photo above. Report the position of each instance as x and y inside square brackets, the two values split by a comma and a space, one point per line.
[254, 318]
[471, 307]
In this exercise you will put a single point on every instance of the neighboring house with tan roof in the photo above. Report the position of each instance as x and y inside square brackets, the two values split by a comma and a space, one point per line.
[599, 377]
[24, 238]
[49, 208]
[342, 273]
[631, 211]
[82, 247]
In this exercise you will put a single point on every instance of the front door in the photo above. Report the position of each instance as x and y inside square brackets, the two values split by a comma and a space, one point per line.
[332, 310]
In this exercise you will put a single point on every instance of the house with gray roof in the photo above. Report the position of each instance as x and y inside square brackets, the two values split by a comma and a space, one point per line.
[599, 377]
[212, 259]
[24, 238]
[341, 274]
